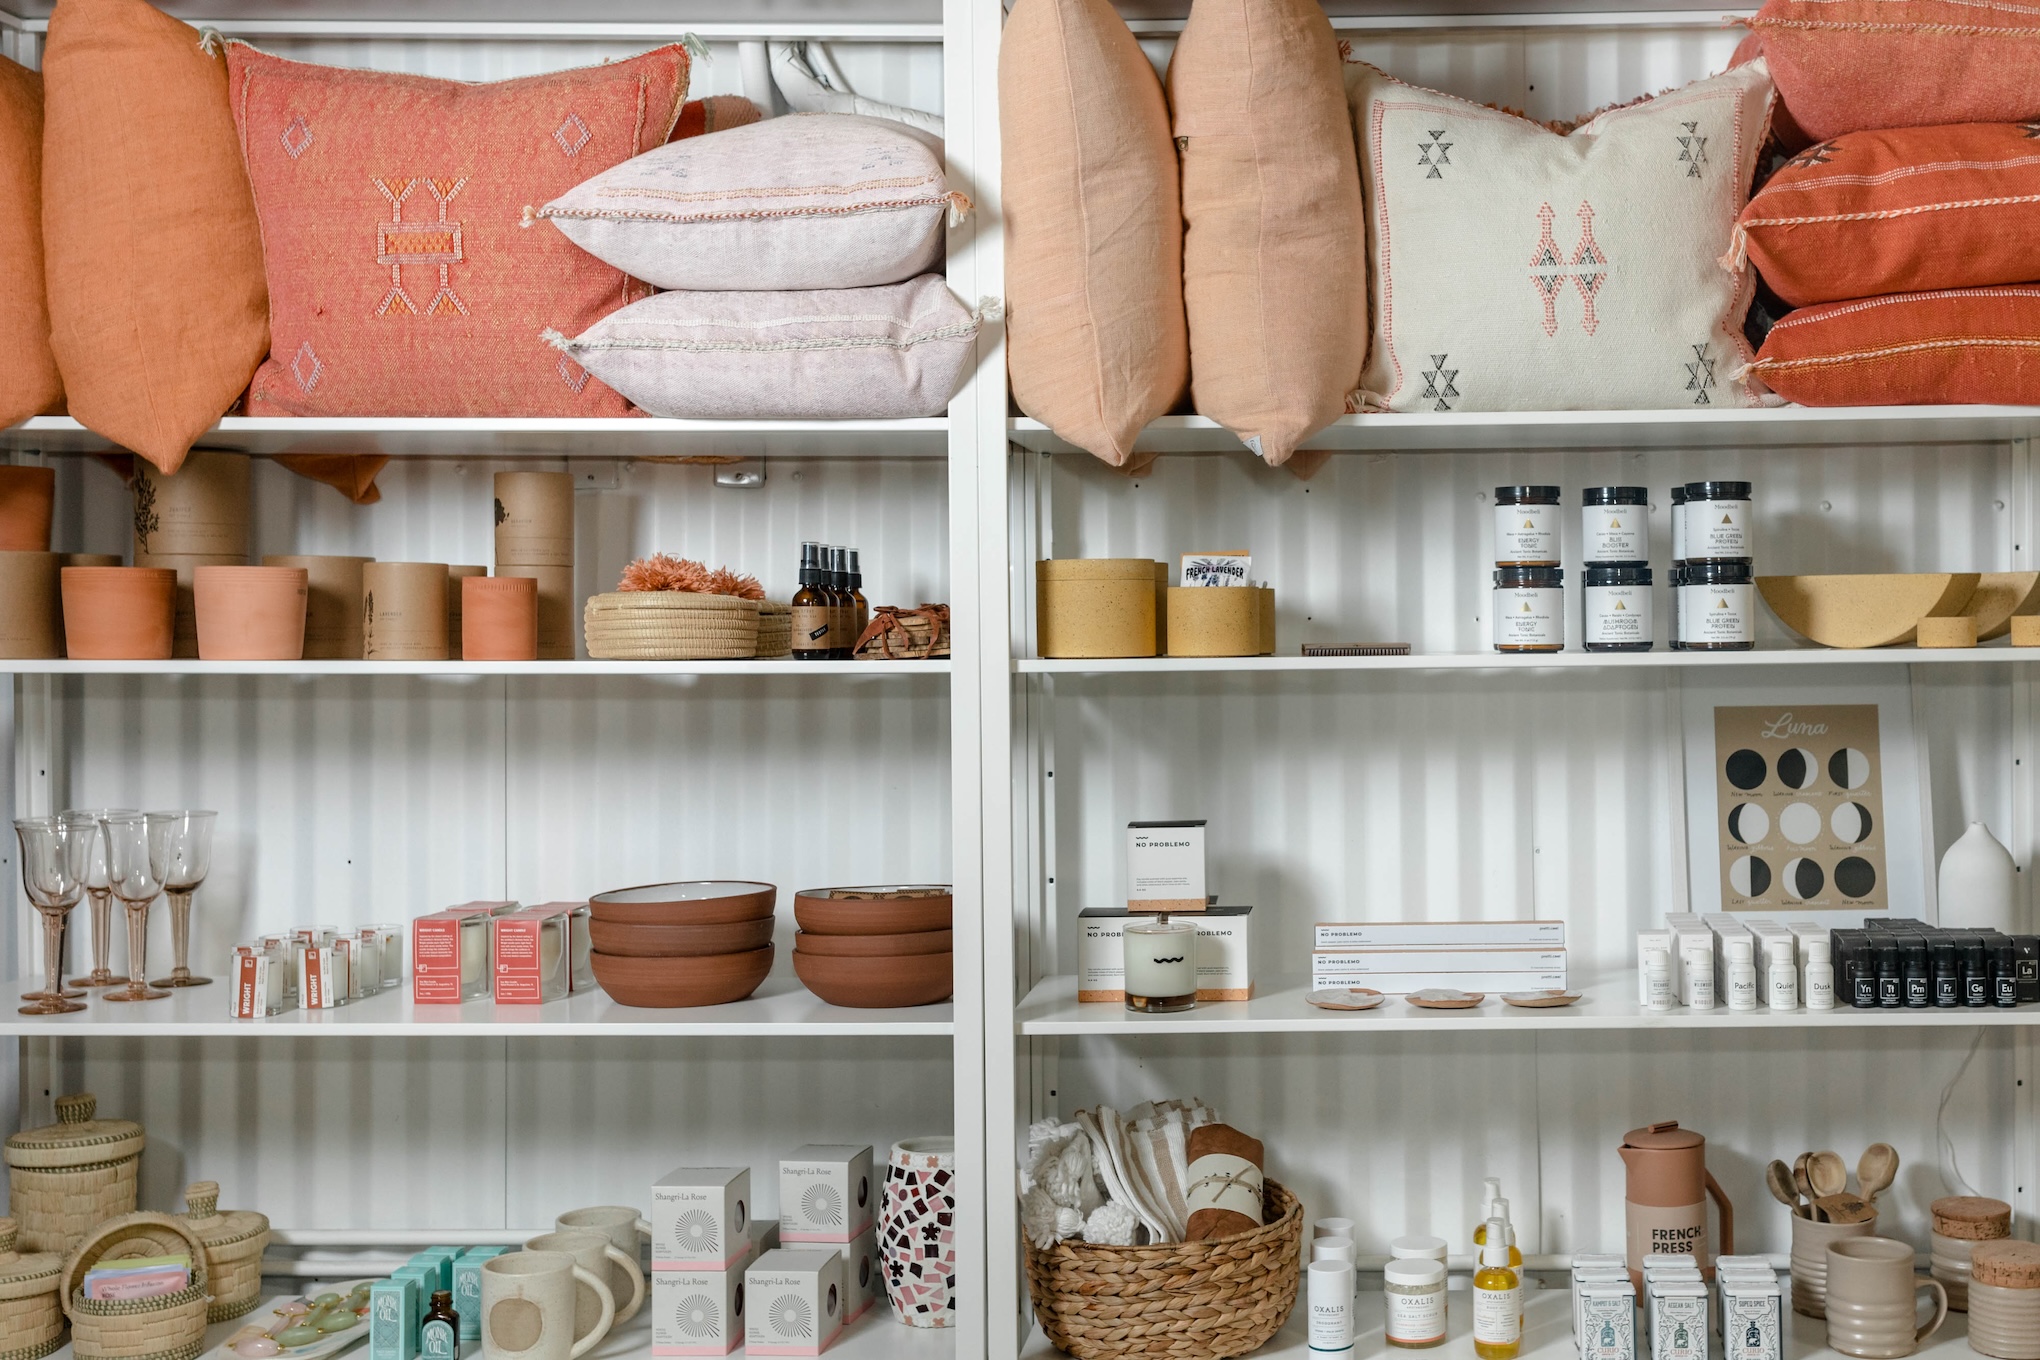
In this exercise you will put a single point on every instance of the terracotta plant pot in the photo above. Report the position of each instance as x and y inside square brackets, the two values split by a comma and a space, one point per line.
[455, 574]
[662, 984]
[700, 902]
[26, 496]
[118, 613]
[874, 946]
[880, 983]
[31, 617]
[873, 911]
[674, 942]
[499, 618]
[251, 613]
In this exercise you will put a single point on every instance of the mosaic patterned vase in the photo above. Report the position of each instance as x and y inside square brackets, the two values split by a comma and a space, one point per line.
[917, 1233]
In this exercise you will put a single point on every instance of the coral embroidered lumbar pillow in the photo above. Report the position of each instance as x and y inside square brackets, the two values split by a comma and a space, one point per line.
[886, 353]
[152, 255]
[29, 384]
[1962, 346]
[405, 275]
[1514, 269]
[815, 200]
[717, 113]
[1274, 257]
[1900, 211]
[1096, 341]
[1851, 65]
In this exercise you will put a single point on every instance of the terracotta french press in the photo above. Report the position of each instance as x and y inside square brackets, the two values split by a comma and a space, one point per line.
[1669, 1185]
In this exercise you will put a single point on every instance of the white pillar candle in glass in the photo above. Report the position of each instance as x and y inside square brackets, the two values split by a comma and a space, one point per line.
[1161, 965]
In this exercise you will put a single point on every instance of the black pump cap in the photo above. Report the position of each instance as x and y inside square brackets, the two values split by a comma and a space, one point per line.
[856, 571]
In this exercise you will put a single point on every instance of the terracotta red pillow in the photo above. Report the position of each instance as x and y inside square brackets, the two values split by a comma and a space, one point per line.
[405, 275]
[1851, 65]
[1899, 211]
[29, 384]
[717, 113]
[1961, 346]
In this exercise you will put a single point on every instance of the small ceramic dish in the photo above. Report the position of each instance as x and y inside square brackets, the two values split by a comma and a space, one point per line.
[1445, 999]
[1345, 998]
[268, 1326]
[1542, 999]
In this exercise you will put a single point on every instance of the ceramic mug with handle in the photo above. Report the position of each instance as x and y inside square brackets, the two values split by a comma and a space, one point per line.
[1873, 1299]
[529, 1302]
[596, 1254]
[625, 1228]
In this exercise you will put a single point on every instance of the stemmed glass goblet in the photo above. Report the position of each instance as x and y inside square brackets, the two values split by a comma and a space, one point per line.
[136, 885]
[98, 887]
[180, 856]
[54, 853]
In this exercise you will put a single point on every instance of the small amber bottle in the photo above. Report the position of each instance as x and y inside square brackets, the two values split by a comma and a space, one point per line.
[814, 609]
[844, 637]
[857, 599]
[439, 1334]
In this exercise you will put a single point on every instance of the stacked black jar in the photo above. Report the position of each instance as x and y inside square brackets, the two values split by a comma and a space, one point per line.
[1615, 613]
[1529, 595]
[1714, 585]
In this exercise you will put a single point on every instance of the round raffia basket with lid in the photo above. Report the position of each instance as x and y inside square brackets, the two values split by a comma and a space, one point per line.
[670, 625]
[234, 1243]
[31, 1314]
[1185, 1300]
[65, 1179]
[775, 630]
[169, 1327]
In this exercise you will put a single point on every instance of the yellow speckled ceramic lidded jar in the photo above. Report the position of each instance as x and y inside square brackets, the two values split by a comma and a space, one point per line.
[65, 1179]
[31, 1314]
[1096, 607]
[234, 1243]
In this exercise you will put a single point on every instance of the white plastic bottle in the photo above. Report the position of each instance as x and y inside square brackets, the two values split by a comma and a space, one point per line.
[1657, 980]
[1330, 1299]
[1820, 975]
[1698, 961]
[1781, 974]
[1742, 975]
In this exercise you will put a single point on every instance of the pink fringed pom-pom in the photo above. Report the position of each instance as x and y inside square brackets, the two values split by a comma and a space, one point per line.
[661, 572]
[723, 581]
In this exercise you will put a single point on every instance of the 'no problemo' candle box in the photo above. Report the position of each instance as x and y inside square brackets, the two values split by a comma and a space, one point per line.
[1225, 956]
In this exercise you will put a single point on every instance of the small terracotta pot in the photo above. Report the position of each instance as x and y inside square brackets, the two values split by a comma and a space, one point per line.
[672, 942]
[873, 911]
[118, 613]
[251, 613]
[455, 574]
[880, 983]
[874, 946]
[697, 903]
[712, 980]
[499, 618]
[26, 497]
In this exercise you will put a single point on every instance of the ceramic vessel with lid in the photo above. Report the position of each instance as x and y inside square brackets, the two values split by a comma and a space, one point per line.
[31, 1315]
[1960, 1222]
[234, 1243]
[1668, 1189]
[65, 1179]
[2004, 1299]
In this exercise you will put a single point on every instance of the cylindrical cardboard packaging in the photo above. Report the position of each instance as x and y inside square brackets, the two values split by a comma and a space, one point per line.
[332, 604]
[118, 613]
[27, 496]
[403, 611]
[31, 610]
[499, 618]
[199, 514]
[534, 519]
[1096, 607]
[1214, 621]
[251, 613]
[555, 609]
[454, 576]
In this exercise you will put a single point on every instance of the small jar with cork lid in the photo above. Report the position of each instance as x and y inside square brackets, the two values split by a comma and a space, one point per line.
[2004, 1299]
[1960, 1222]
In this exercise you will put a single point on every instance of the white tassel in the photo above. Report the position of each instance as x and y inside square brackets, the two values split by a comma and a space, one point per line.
[211, 41]
[990, 309]
[1111, 1225]
[960, 207]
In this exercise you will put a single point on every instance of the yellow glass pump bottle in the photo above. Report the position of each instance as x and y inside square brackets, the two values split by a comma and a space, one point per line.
[1497, 1315]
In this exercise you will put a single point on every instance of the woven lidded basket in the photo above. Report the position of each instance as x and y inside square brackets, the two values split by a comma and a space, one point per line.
[67, 1178]
[171, 1327]
[234, 1243]
[31, 1315]
[1183, 1300]
[775, 630]
[670, 625]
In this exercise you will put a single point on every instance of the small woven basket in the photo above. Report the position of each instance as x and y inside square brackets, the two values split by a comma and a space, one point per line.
[31, 1316]
[171, 1327]
[775, 630]
[1182, 1300]
[670, 625]
[234, 1243]
[69, 1177]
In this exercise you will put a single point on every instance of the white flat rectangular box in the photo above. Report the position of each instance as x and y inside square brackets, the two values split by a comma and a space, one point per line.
[793, 1302]
[701, 1218]
[1225, 957]
[1437, 934]
[1165, 866]
[1607, 1320]
[1443, 960]
[1398, 984]
[826, 1193]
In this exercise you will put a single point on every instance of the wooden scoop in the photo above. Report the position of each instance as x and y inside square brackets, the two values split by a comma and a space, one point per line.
[1843, 1208]
[1828, 1174]
[1779, 1177]
[1876, 1170]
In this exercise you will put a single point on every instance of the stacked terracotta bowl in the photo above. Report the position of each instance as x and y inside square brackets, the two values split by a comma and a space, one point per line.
[702, 943]
[874, 947]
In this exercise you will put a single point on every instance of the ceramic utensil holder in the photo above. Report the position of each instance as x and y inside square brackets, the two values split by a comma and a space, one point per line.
[555, 609]
[918, 1251]
[2004, 1300]
[31, 1309]
[31, 607]
[499, 618]
[1810, 1241]
[455, 603]
[137, 1329]
[332, 604]
[529, 1306]
[234, 1243]
[1096, 607]
[119, 613]
[1872, 1306]
[403, 611]
[534, 519]
[251, 613]
[1215, 620]
[27, 497]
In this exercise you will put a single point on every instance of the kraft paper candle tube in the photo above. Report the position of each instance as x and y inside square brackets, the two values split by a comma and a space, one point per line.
[499, 616]
[403, 611]
[534, 519]
[31, 610]
[454, 576]
[333, 605]
[556, 612]
[199, 514]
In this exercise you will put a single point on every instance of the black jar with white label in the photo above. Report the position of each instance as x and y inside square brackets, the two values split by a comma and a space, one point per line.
[1717, 607]
[1529, 609]
[1615, 611]
[1718, 527]
[1526, 526]
[1615, 526]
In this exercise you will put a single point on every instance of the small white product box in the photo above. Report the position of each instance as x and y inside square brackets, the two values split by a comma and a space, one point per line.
[701, 1312]
[1608, 1320]
[701, 1218]
[1752, 1318]
[862, 1281]
[1225, 953]
[1679, 1327]
[1438, 935]
[324, 975]
[450, 957]
[259, 977]
[1584, 1275]
[826, 1193]
[1165, 866]
[793, 1302]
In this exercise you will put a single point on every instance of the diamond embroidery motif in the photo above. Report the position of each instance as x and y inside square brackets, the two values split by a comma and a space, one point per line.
[1438, 381]
[572, 374]
[572, 135]
[307, 368]
[1693, 150]
[1700, 376]
[1435, 148]
[1550, 271]
[297, 138]
[1819, 154]
[398, 243]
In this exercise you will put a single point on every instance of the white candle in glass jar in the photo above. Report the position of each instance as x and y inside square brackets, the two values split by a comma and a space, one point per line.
[1161, 963]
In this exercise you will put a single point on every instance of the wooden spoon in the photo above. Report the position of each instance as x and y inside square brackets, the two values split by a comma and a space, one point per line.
[1876, 1170]
[1799, 1179]
[1843, 1208]
[1828, 1174]
[1779, 1177]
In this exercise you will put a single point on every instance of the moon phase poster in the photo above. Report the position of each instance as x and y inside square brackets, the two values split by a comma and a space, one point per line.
[1800, 808]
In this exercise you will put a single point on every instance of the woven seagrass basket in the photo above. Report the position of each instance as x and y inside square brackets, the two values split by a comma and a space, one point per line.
[171, 1327]
[670, 625]
[31, 1316]
[234, 1243]
[67, 1178]
[775, 630]
[1182, 1300]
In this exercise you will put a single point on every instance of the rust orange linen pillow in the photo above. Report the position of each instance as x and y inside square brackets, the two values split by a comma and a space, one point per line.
[1899, 211]
[405, 275]
[717, 113]
[29, 384]
[1851, 65]
[152, 255]
[1961, 346]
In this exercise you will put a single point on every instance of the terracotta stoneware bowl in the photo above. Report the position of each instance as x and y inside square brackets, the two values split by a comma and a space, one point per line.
[871, 984]
[118, 613]
[663, 984]
[873, 946]
[673, 942]
[698, 902]
[873, 911]
[250, 613]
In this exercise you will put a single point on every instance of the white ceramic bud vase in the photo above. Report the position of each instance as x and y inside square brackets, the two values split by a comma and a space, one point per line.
[1979, 884]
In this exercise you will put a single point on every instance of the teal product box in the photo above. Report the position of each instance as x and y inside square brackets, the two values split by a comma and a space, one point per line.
[427, 1276]
[442, 1259]
[393, 1313]
[467, 1289]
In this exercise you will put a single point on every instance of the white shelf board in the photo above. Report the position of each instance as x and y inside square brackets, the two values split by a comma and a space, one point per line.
[1279, 1008]
[623, 437]
[783, 667]
[1771, 427]
[781, 1008]
[1990, 653]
